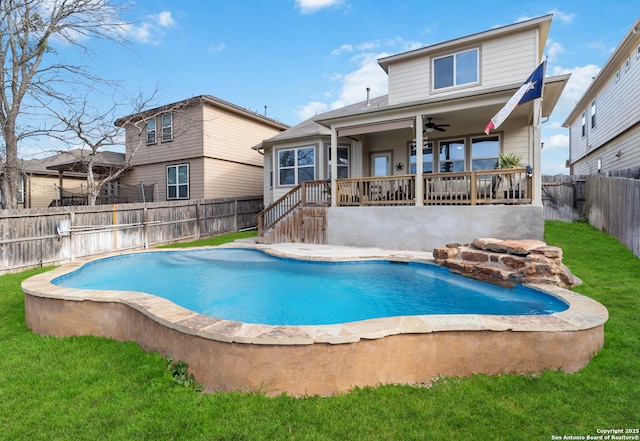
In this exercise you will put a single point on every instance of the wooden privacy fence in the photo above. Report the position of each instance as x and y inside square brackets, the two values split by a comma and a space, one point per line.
[45, 236]
[613, 206]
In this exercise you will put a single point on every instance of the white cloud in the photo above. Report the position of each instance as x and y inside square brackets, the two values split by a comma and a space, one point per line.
[165, 20]
[311, 6]
[151, 29]
[354, 84]
[310, 110]
[562, 16]
[342, 49]
[215, 48]
[553, 50]
[556, 142]
[581, 78]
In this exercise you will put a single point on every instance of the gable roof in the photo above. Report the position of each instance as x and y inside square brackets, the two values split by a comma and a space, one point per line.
[543, 23]
[202, 100]
[72, 162]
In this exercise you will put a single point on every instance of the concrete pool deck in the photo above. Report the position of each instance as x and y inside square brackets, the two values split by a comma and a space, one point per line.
[322, 359]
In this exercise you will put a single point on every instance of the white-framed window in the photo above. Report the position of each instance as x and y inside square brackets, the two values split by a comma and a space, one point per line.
[343, 162]
[167, 127]
[178, 181]
[151, 131]
[627, 63]
[484, 152]
[427, 158]
[21, 189]
[638, 52]
[617, 75]
[593, 114]
[584, 124]
[456, 69]
[296, 165]
[452, 156]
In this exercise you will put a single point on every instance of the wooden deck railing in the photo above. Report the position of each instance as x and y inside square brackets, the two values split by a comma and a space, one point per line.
[507, 186]
[314, 193]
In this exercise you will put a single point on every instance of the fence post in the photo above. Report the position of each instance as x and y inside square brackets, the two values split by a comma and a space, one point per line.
[145, 242]
[72, 242]
[235, 215]
[198, 220]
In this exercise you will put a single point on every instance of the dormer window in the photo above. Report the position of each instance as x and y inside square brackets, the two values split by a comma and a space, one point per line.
[455, 69]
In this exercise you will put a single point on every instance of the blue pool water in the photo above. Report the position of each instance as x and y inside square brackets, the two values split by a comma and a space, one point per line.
[253, 287]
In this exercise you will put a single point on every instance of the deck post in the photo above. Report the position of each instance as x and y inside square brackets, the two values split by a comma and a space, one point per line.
[334, 166]
[419, 141]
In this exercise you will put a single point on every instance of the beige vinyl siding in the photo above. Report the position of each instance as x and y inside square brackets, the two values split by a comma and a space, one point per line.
[40, 190]
[508, 59]
[226, 179]
[517, 141]
[157, 173]
[229, 136]
[187, 140]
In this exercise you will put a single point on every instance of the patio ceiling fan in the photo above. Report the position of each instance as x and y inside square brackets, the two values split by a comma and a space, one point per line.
[430, 126]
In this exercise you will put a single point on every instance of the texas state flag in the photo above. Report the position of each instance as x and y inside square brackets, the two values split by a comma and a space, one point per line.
[530, 90]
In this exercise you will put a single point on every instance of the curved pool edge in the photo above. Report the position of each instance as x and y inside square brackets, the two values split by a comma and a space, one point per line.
[565, 340]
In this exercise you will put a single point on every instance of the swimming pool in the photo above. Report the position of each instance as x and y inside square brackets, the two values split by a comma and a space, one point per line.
[229, 355]
[253, 287]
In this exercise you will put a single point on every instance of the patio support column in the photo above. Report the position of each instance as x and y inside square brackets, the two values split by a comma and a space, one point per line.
[419, 147]
[537, 153]
[334, 166]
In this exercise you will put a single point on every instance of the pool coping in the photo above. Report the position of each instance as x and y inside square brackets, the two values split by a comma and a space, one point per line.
[583, 312]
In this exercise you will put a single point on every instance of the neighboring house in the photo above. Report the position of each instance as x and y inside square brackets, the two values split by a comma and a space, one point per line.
[380, 191]
[198, 148]
[604, 126]
[44, 182]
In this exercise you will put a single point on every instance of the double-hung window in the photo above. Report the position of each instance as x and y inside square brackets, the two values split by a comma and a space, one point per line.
[427, 158]
[456, 69]
[151, 131]
[167, 127]
[593, 114]
[484, 152]
[296, 165]
[178, 181]
[452, 156]
[343, 162]
[583, 123]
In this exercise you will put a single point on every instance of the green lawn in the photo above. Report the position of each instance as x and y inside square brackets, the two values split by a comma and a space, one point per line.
[88, 388]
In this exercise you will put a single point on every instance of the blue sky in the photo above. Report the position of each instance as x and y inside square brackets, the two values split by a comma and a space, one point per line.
[302, 57]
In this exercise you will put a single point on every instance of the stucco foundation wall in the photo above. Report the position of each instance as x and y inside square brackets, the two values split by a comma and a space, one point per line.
[429, 227]
[320, 368]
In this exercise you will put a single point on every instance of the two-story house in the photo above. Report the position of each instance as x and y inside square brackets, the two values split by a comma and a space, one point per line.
[604, 125]
[382, 190]
[198, 148]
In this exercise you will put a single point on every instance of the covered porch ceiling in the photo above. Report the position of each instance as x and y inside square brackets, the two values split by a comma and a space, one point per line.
[466, 114]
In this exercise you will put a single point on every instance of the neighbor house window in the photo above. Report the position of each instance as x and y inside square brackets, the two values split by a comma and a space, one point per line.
[343, 162]
[167, 127]
[593, 114]
[626, 64]
[296, 165]
[452, 156]
[427, 158]
[21, 189]
[455, 69]
[584, 123]
[484, 152]
[151, 131]
[178, 181]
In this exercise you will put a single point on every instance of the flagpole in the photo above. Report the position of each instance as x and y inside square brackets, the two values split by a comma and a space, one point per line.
[536, 185]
